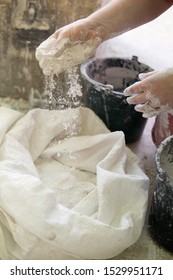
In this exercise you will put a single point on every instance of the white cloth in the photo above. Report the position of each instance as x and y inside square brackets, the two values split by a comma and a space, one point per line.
[68, 187]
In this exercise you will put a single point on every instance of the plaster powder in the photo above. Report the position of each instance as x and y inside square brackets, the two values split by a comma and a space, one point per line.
[55, 59]
[71, 185]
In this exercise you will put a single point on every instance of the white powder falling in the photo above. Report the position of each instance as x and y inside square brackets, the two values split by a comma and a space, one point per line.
[62, 82]
[63, 57]
[74, 92]
[61, 92]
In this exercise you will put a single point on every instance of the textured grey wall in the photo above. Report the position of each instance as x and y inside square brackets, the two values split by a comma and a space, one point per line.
[23, 25]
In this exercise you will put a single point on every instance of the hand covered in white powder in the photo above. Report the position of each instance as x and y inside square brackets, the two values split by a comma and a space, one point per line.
[69, 46]
[153, 94]
[80, 31]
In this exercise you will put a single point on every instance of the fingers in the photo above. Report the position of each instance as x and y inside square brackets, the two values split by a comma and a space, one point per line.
[147, 110]
[55, 34]
[143, 76]
[139, 94]
[143, 105]
[153, 94]
[136, 88]
[136, 93]
[137, 99]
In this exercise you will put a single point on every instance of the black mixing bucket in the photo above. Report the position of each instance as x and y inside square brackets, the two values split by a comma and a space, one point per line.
[104, 82]
[161, 212]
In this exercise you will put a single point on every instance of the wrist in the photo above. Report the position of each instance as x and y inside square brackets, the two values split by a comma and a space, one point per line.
[101, 29]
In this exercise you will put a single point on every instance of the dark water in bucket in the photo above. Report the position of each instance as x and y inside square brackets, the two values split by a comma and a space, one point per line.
[161, 212]
[104, 81]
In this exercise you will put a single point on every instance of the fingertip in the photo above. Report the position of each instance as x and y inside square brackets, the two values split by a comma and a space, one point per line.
[55, 35]
[139, 108]
[130, 100]
[38, 55]
[146, 112]
[142, 76]
[145, 116]
[126, 92]
[136, 88]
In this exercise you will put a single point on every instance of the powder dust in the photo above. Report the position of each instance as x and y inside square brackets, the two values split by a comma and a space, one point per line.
[62, 91]
[59, 64]
[62, 88]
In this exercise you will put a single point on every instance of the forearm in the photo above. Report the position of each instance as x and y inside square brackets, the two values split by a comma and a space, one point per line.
[120, 16]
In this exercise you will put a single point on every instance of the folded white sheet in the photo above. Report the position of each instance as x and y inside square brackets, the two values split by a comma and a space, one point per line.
[68, 187]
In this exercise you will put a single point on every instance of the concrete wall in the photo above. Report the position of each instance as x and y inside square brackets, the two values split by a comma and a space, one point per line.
[24, 24]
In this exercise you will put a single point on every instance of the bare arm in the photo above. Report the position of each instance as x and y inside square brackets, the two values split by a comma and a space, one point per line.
[120, 16]
[113, 19]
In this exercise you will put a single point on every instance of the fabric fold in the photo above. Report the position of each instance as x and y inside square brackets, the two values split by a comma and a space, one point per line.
[70, 186]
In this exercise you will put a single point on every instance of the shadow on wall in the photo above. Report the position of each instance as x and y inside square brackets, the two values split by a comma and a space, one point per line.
[24, 24]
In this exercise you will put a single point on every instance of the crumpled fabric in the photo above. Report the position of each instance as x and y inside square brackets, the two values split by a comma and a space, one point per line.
[70, 188]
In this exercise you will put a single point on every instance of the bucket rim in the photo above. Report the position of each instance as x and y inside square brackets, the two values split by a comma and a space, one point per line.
[158, 154]
[108, 87]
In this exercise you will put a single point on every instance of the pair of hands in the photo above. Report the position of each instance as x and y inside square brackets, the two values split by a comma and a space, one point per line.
[152, 95]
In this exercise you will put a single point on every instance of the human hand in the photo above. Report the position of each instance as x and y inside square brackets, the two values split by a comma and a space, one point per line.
[153, 94]
[81, 31]
[69, 46]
